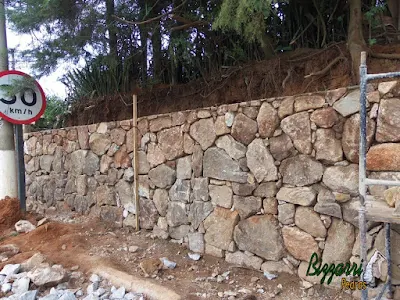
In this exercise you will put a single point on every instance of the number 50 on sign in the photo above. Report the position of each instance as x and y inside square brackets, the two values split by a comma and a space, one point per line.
[27, 105]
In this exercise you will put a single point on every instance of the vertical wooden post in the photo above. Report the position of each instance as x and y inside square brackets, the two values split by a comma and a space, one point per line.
[135, 161]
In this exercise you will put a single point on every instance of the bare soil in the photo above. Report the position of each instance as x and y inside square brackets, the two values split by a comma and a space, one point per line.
[73, 241]
[283, 75]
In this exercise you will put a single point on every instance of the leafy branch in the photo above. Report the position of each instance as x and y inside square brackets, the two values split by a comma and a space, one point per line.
[18, 86]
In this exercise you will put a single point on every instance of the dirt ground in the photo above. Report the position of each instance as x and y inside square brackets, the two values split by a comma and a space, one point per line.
[283, 75]
[72, 240]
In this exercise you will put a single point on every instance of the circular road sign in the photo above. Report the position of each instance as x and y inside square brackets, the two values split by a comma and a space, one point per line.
[28, 105]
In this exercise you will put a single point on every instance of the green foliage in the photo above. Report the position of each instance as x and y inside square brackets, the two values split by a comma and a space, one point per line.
[54, 115]
[101, 77]
[246, 17]
[18, 86]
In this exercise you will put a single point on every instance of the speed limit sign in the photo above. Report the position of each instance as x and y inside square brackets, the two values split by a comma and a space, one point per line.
[27, 105]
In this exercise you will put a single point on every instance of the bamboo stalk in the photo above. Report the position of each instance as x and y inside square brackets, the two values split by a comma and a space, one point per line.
[135, 161]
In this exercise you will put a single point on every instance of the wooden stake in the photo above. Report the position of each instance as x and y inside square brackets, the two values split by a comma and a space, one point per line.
[135, 161]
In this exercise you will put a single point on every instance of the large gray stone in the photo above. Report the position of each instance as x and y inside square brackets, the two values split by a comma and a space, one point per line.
[196, 242]
[180, 191]
[298, 243]
[171, 142]
[298, 128]
[46, 162]
[267, 120]
[234, 149]
[179, 232]
[261, 162]
[308, 102]
[243, 189]
[200, 189]
[304, 196]
[266, 189]
[148, 214]
[219, 227]
[349, 104]
[286, 213]
[47, 276]
[248, 232]
[144, 166]
[155, 156]
[162, 176]
[184, 167]
[161, 199]
[339, 243]
[351, 137]
[221, 195]
[240, 258]
[244, 129]
[328, 148]
[388, 127]
[99, 143]
[91, 165]
[329, 208]
[198, 212]
[203, 131]
[342, 179]
[105, 195]
[247, 206]
[176, 214]
[124, 192]
[219, 165]
[197, 161]
[309, 221]
[301, 170]
[281, 147]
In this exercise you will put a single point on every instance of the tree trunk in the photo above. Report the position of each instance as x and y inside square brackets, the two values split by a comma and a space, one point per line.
[156, 44]
[144, 33]
[112, 31]
[394, 9]
[355, 40]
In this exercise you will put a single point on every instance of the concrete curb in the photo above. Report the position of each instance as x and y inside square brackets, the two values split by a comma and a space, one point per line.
[134, 284]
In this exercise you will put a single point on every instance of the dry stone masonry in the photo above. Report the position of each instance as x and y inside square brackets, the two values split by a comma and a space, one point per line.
[264, 183]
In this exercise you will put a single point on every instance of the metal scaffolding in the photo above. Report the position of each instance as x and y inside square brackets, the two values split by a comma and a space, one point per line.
[371, 210]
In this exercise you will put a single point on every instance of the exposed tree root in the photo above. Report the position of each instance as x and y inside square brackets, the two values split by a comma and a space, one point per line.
[385, 55]
[327, 68]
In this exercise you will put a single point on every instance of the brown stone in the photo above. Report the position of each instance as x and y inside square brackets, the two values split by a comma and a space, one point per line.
[171, 142]
[328, 148]
[388, 123]
[384, 157]
[203, 131]
[72, 135]
[248, 232]
[155, 156]
[339, 243]
[298, 128]
[307, 102]
[267, 120]
[188, 144]
[309, 221]
[160, 123]
[83, 137]
[299, 244]
[99, 143]
[281, 147]
[118, 136]
[178, 118]
[325, 117]
[286, 107]
[351, 136]
[220, 126]
[122, 159]
[219, 227]
[244, 129]
[333, 95]
[301, 170]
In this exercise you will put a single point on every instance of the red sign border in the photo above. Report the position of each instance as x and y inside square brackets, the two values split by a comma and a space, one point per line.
[37, 117]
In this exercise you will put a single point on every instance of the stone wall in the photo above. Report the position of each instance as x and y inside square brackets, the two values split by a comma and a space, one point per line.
[263, 183]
